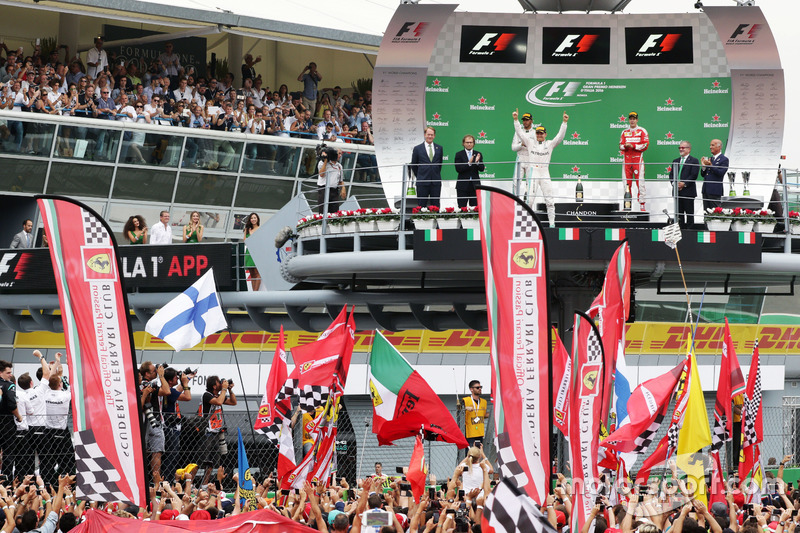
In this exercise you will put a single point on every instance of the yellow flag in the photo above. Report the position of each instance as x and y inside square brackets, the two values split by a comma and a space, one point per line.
[695, 434]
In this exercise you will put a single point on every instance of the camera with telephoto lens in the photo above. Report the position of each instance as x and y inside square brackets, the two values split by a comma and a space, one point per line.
[223, 444]
[230, 382]
[151, 419]
[188, 372]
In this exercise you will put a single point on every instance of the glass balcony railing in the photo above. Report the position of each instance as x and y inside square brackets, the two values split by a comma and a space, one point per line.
[126, 168]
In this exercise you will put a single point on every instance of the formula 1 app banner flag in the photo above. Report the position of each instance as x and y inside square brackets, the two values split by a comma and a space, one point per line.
[106, 422]
[515, 266]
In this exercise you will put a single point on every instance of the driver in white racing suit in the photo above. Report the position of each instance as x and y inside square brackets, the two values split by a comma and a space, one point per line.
[521, 138]
[539, 153]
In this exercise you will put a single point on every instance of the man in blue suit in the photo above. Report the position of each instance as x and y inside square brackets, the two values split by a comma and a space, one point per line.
[685, 170]
[713, 172]
[426, 165]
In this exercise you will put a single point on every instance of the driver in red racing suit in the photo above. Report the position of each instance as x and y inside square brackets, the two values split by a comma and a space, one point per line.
[632, 144]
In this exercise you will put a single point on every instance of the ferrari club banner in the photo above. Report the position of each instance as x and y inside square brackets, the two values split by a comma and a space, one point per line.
[516, 271]
[106, 423]
[584, 416]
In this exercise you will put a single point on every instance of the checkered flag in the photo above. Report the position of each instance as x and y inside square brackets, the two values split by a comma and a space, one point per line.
[525, 226]
[751, 408]
[313, 396]
[272, 432]
[719, 433]
[93, 229]
[509, 510]
[645, 439]
[289, 390]
[672, 438]
[510, 469]
[97, 477]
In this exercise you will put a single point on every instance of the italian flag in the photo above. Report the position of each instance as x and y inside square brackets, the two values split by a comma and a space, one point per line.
[473, 234]
[747, 237]
[657, 235]
[568, 234]
[707, 236]
[433, 235]
[403, 402]
[613, 234]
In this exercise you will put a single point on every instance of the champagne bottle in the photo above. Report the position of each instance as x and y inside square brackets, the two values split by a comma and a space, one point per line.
[628, 200]
[579, 191]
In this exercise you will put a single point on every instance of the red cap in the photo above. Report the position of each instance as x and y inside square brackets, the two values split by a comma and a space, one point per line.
[561, 518]
[169, 514]
[200, 514]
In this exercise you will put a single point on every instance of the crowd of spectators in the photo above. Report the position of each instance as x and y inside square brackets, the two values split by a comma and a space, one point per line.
[168, 93]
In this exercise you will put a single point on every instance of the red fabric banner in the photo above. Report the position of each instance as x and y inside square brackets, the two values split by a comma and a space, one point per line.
[269, 410]
[263, 521]
[106, 422]
[417, 470]
[586, 402]
[562, 376]
[517, 300]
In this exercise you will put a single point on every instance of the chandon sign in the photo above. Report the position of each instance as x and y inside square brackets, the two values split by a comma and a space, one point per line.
[173, 267]
[494, 44]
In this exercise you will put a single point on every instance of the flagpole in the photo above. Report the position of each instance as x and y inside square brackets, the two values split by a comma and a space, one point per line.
[241, 382]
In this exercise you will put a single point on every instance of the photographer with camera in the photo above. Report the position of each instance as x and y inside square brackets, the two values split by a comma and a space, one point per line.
[179, 391]
[330, 178]
[219, 392]
[153, 387]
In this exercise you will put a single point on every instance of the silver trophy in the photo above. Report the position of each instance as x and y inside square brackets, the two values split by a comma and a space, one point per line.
[746, 180]
[732, 179]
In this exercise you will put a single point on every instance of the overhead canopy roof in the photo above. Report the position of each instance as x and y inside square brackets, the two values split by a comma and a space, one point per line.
[574, 5]
[202, 19]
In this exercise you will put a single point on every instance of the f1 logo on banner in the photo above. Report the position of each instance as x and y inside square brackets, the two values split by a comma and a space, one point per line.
[493, 44]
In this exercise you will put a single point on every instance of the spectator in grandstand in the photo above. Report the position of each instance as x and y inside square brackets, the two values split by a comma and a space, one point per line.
[248, 68]
[171, 62]
[183, 93]
[96, 59]
[61, 460]
[218, 393]
[121, 87]
[365, 113]
[201, 95]
[283, 94]
[132, 72]
[135, 230]
[106, 107]
[310, 77]
[16, 98]
[179, 391]
[260, 93]
[153, 387]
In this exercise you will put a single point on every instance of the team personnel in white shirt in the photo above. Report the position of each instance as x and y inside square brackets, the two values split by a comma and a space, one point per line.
[19, 455]
[161, 232]
[36, 422]
[61, 460]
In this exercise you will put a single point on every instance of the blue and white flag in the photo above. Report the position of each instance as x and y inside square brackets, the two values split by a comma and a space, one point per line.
[191, 316]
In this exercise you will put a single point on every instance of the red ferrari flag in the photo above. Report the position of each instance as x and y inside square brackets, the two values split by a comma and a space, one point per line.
[752, 425]
[647, 408]
[562, 375]
[731, 384]
[658, 456]
[585, 396]
[269, 409]
[106, 421]
[612, 306]
[517, 301]
[417, 470]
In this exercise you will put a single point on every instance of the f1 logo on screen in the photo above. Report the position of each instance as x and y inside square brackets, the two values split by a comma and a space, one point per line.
[493, 44]
[576, 46]
[659, 45]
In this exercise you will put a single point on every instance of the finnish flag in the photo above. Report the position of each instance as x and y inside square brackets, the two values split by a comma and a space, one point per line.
[191, 316]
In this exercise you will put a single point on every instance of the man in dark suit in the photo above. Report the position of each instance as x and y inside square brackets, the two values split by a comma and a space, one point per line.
[23, 239]
[468, 163]
[713, 172]
[686, 169]
[426, 165]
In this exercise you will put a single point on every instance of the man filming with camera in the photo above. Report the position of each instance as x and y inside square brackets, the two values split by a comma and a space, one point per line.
[153, 387]
[219, 392]
[330, 178]
[179, 391]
